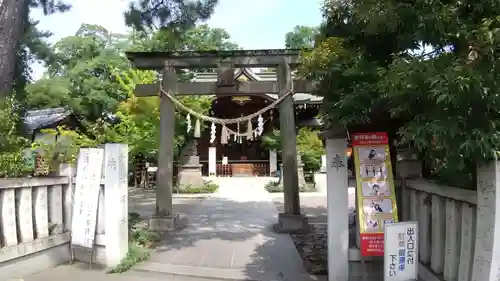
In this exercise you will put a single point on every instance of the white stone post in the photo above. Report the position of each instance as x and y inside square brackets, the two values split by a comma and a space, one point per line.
[338, 209]
[212, 161]
[116, 202]
[323, 164]
[486, 262]
[273, 162]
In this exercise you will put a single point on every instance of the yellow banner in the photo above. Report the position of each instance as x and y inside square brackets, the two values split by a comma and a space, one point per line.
[374, 189]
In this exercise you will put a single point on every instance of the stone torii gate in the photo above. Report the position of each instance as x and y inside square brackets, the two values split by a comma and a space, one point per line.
[225, 61]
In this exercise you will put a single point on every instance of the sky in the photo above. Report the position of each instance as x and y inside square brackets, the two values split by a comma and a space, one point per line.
[253, 24]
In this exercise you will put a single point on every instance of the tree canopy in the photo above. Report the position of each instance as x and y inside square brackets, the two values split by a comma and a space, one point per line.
[90, 74]
[301, 37]
[423, 71]
[427, 68]
[174, 16]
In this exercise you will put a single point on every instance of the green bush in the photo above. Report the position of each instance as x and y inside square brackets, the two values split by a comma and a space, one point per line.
[273, 187]
[14, 164]
[276, 187]
[65, 150]
[140, 242]
[207, 187]
[135, 255]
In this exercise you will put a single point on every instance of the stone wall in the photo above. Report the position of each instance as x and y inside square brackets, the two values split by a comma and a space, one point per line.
[37, 217]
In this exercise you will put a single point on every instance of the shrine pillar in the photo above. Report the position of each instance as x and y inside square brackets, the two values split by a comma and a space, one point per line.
[291, 221]
[338, 207]
[164, 219]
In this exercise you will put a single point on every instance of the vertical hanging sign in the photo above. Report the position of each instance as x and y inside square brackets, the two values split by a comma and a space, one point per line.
[375, 190]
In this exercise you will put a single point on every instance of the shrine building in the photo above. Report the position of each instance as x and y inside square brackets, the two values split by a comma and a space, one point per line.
[242, 156]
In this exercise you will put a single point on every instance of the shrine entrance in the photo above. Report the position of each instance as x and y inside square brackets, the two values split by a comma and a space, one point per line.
[226, 86]
[240, 156]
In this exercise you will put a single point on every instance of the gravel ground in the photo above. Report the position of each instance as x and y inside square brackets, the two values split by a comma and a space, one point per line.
[312, 246]
[313, 249]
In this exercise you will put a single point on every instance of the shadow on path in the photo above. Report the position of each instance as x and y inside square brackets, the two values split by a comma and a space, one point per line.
[230, 236]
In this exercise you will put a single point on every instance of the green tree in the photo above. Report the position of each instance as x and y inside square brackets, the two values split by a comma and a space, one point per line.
[172, 15]
[198, 38]
[204, 38]
[81, 74]
[33, 47]
[139, 118]
[372, 75]
[309, 146]
[12, 161]
[90, 74]
[301, 37]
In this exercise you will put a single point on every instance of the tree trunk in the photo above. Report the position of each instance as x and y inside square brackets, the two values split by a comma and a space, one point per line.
[12, 21]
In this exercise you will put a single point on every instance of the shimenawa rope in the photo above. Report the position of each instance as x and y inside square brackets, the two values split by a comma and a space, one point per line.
[220, 121]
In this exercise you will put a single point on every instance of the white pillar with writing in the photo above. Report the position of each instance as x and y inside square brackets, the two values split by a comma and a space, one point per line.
[273, 162]
[338, 212]
[212, 158]
[116, 202]
[486, 262]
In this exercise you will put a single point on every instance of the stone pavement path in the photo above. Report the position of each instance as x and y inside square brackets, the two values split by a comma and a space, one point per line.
[229, 236]
[80, 272]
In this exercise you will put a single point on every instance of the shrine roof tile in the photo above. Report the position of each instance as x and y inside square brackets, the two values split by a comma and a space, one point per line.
[258, 76]
[36, 119]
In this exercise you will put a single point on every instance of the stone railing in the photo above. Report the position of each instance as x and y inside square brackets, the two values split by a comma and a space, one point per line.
[35, 223]
[447, 225]
[36, 219]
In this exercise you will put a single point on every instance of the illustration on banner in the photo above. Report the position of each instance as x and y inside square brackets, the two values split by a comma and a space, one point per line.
[375, 188]
[375, 154]
[373, 225]
[377, 206]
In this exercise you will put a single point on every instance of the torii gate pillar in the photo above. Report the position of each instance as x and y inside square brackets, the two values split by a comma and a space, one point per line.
[291, 221]
[164, 219]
